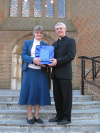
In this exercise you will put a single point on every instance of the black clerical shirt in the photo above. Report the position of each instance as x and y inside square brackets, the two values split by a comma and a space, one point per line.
[59, 43]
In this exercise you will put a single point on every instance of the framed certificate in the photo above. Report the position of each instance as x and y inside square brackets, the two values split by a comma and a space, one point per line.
[45, 53]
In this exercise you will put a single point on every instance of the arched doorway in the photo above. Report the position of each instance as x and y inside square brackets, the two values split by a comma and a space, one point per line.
[16, 76]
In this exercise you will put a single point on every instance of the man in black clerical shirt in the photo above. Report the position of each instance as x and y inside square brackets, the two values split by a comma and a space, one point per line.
[64, 53]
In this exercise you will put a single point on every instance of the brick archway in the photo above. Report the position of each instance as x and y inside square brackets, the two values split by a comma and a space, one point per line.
[17, 61]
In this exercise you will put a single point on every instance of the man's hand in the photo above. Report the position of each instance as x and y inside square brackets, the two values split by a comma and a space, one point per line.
[53, 61]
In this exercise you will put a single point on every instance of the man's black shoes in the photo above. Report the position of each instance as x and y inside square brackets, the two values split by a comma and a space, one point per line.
[60, 121]
[31, 121]
[63, 122]
[55, 119]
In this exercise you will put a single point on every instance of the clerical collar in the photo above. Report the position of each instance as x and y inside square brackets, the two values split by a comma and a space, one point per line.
[61, 38]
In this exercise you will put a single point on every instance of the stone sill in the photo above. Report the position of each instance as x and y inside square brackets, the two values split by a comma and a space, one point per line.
[22, 24]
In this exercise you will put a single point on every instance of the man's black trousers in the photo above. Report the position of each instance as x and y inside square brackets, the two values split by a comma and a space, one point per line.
[62, 90]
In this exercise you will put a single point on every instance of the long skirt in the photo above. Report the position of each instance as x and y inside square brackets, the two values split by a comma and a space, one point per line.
[34, 88]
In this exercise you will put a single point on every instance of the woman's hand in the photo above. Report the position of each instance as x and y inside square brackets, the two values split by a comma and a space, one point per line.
[37, 61]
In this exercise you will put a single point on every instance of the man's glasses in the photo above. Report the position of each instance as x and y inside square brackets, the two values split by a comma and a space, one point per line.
[59, 28]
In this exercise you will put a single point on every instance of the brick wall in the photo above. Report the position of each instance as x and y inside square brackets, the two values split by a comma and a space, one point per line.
[7, 39]
[85, 15]
[92, 88]
[2, 10]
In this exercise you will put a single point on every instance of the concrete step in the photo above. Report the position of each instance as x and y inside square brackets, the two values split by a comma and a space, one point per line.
[7, 95]
[77, 126]
[76, 98]
[47, 114]
[17, 92]
[75, 105]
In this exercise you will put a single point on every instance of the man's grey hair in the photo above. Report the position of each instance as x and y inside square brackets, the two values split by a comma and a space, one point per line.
[38, 27]
[60, 23]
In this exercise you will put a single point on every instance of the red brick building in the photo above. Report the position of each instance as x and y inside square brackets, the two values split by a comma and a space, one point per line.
[18, 18]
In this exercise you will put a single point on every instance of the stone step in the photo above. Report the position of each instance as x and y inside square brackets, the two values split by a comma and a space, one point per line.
[75, 105]
[76, 98]
[7, 95]
[10, 92]
[47, 114]
[77, 126]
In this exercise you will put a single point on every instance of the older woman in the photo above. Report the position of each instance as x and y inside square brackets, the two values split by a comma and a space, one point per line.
[34, 88]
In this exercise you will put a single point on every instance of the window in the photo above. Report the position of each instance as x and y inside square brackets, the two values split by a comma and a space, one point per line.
[37, 8]
[25, 8]
[61, 8]
[49, 8]
[13, 8]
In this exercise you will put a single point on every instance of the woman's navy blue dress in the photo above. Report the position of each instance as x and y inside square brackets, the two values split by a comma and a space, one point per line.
[34, 88]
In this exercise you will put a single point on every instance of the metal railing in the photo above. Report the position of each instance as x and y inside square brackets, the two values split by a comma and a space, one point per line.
[95, 64]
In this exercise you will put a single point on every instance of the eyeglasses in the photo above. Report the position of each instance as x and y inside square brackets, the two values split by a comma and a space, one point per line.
[59, 28]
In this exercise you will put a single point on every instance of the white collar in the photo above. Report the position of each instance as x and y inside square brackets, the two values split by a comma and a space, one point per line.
[38, 41]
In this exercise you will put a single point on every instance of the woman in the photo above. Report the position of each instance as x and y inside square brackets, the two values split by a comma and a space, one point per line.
[34, 88]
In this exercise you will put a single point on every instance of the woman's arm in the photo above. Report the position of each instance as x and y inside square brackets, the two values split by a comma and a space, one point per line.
[25, 55]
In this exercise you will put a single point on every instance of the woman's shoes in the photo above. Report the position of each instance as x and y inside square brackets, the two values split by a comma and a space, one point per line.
[38, 120]
[31, 121]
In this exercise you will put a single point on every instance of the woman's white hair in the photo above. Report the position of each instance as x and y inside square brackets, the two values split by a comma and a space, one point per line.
[60, 23]
[38, 27]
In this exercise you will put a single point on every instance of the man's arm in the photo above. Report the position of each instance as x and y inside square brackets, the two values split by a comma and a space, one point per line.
[70, 54]
[68, 57]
